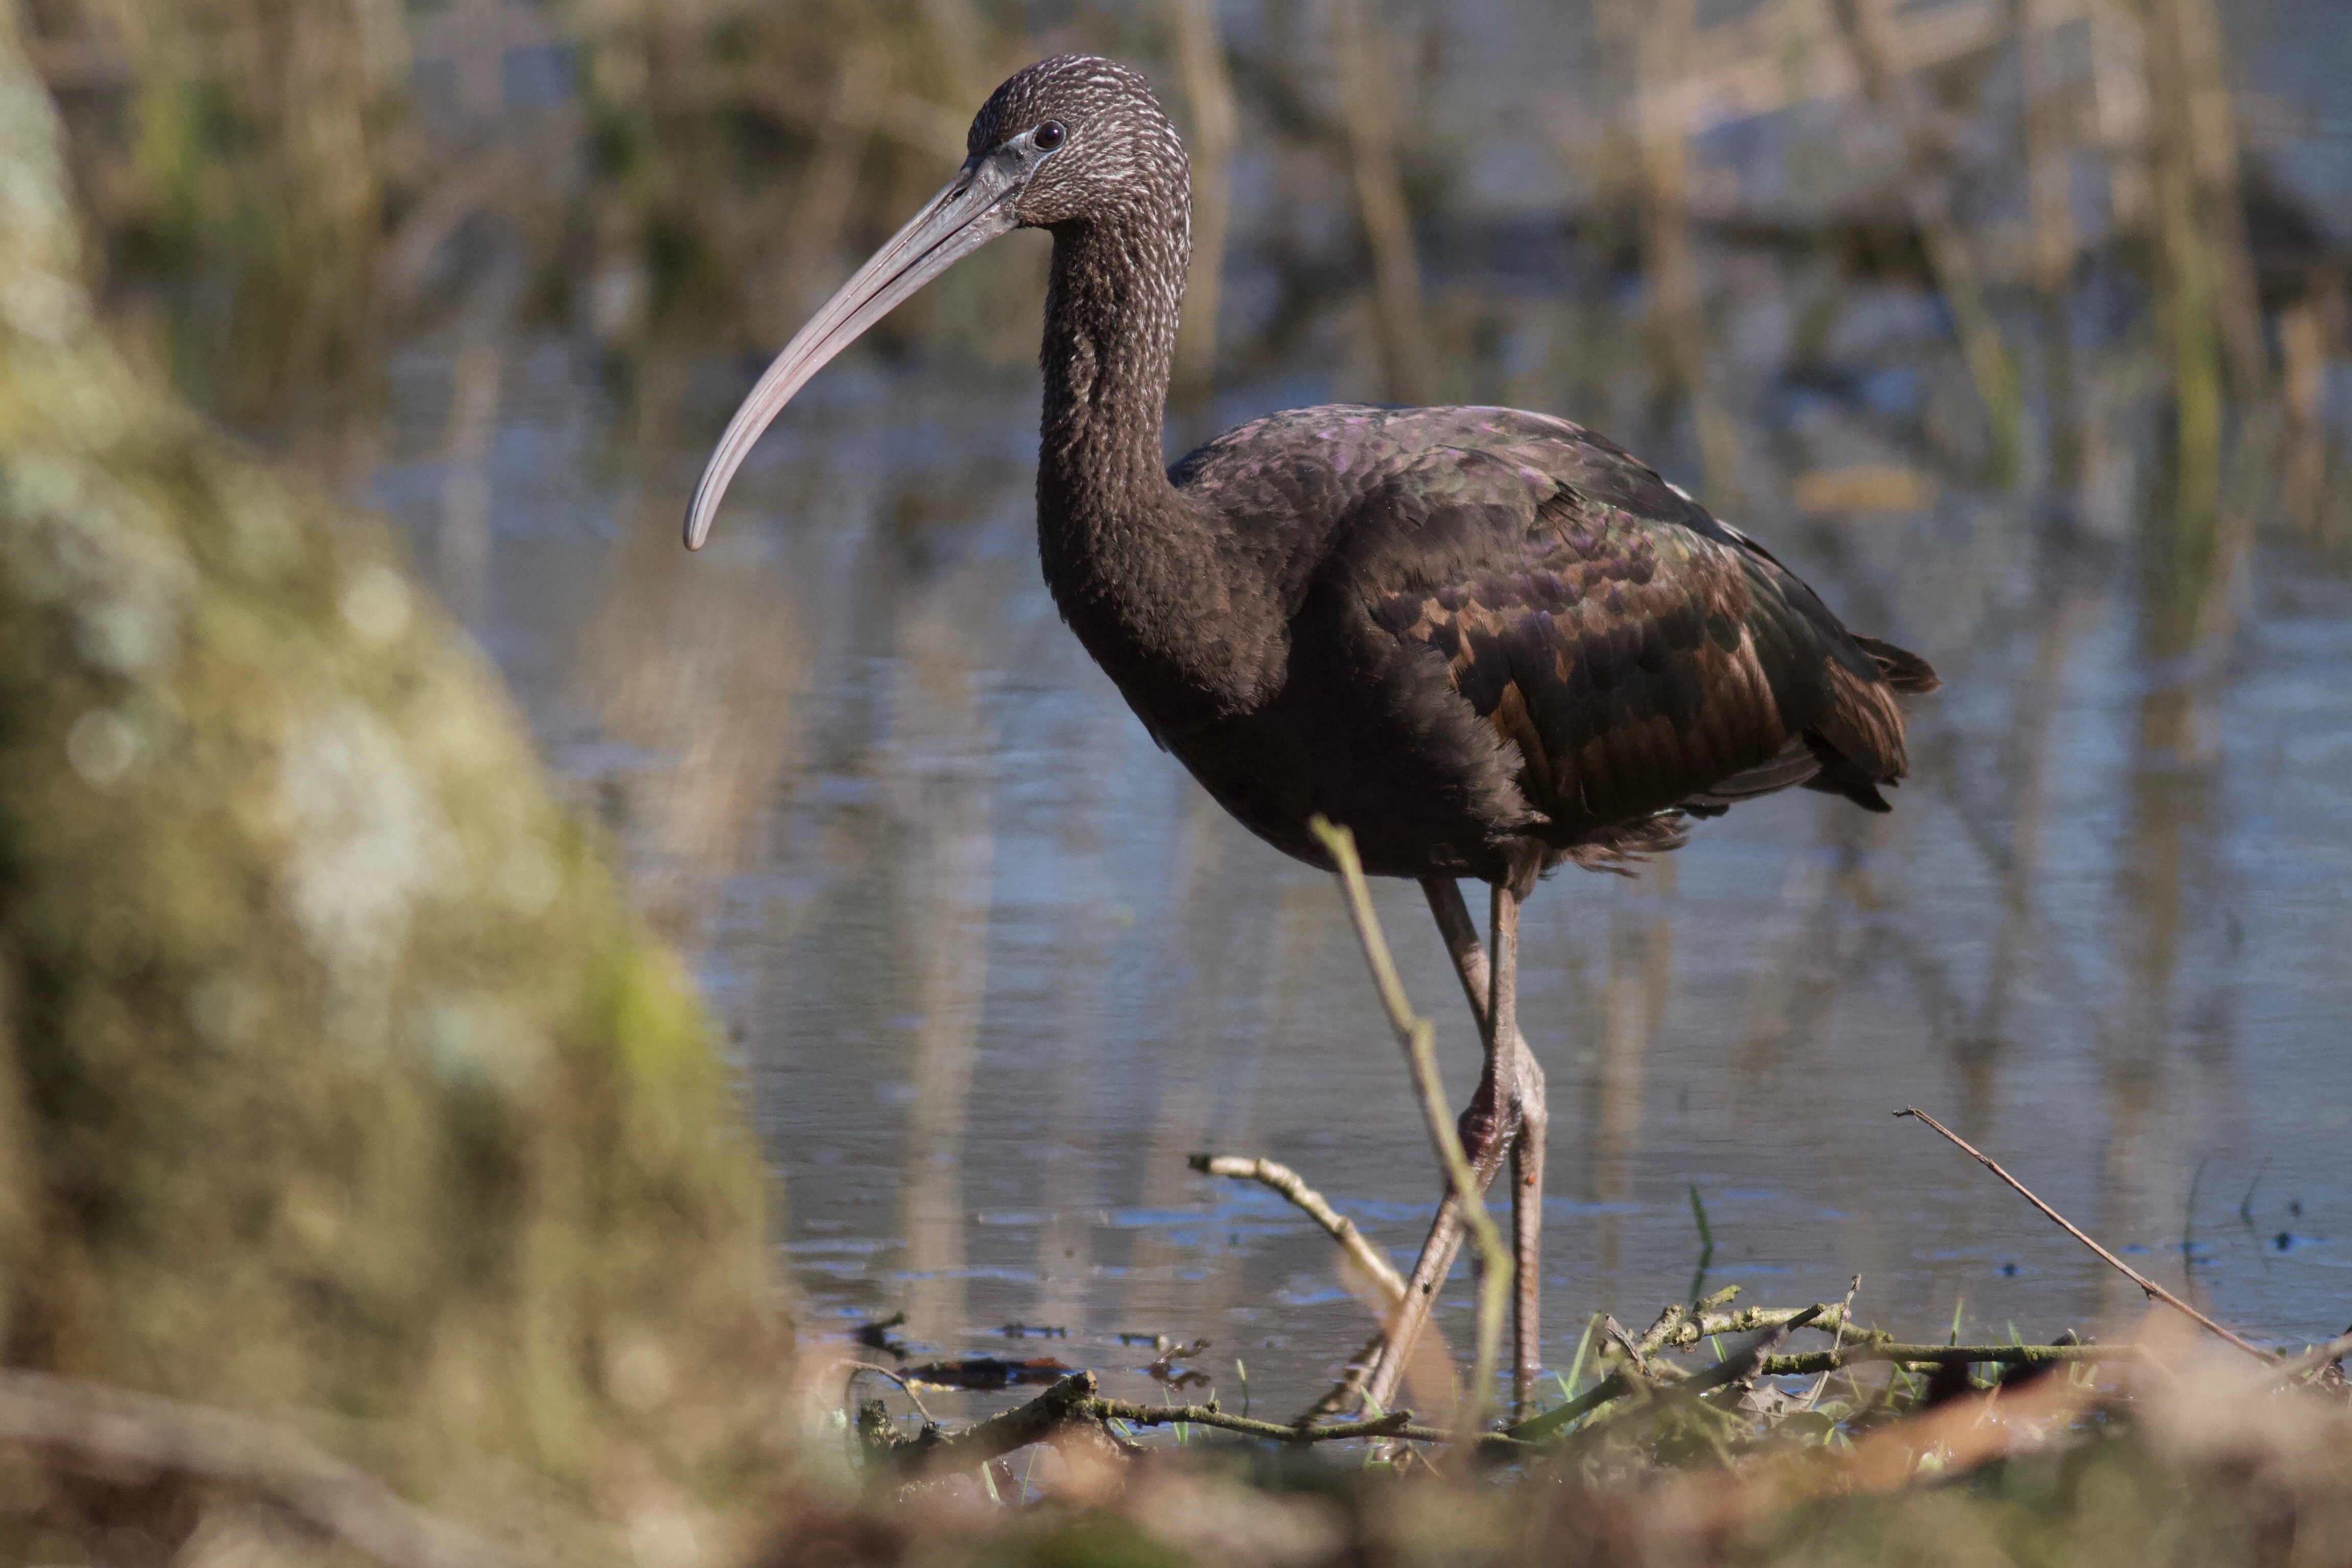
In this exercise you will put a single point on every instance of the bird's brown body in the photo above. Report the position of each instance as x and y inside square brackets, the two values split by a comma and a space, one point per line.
[1515, 646]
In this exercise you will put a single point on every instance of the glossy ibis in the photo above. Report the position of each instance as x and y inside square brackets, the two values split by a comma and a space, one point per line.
[1488, 642]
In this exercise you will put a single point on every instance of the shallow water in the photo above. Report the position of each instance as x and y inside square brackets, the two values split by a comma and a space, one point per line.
[994, 966]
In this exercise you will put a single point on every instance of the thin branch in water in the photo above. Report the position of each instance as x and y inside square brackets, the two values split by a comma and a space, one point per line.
[1274, 1173]
[1073, 1405]
[2154, 1291]
[1419, 1038]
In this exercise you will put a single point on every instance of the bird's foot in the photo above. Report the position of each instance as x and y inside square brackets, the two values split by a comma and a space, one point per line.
[1498, 1113]
[1487, 1128]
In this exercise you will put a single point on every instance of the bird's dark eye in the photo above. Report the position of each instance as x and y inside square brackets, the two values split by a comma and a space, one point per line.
[1049, 135]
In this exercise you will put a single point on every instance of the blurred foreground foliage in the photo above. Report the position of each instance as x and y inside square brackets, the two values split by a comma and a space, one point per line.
[2203, 1471]
[334, 1079]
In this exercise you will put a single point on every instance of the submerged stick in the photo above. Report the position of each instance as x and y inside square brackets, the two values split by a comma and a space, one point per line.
[2155, 1291]
[1274, 1173]
[1418, 1036]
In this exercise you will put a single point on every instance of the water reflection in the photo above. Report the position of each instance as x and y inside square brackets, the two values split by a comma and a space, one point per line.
[995, 967]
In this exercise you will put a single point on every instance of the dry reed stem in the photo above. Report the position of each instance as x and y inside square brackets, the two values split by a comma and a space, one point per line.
[1950, 256]
[1368, 110]
[1418, 1036]
[1209, 93]
[1274, 1173]
[2155, 1291]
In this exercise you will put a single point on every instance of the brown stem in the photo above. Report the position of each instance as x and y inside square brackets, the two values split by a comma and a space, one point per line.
[1418, 1038]
[1338, 1226]
[2154, 1291]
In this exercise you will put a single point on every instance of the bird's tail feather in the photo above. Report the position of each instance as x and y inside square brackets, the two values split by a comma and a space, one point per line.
[1630, 844]
[1900, 667]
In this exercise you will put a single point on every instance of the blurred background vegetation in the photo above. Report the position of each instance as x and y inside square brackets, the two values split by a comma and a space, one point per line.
[272, 183]
[2136, 290]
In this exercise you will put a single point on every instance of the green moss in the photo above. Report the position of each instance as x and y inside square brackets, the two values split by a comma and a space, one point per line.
[334, 1076]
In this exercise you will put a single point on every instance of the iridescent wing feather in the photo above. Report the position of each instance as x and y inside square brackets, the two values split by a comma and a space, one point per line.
[1642, 657]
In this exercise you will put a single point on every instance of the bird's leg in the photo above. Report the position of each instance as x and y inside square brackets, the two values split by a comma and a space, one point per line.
[1493, 994]
[1533, 1119]
[1490, 1126]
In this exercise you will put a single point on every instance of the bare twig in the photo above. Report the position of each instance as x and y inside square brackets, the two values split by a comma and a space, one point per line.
[1043, 1417]
[1395, 1423]
[1810, 1362]
[1342, 1394]
[1338, 1226]
[1807, 1363]
[2155, 1291]
[1837, 1342]
[1745, 1368]
[1616, 1331]
[1679, 1326]
[858, 1366]
[115, 1427]
[2318, 1356]
[1073, 1402]
[1419, 1039]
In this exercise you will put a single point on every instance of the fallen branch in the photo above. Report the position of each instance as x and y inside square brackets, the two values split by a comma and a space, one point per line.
[2155, 1291]
[116, 1427]
[1338, 1226]
[1418, 1036]
[1073, 1404]
[1676, 1328]
[1807, 1363]
[2318, 1357]
[1837, 1342]
[1744, 1370]
[1395, 1423]
[1060, 1407]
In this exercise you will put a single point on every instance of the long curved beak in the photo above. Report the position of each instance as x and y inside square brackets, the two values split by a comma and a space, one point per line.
[975, 207]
